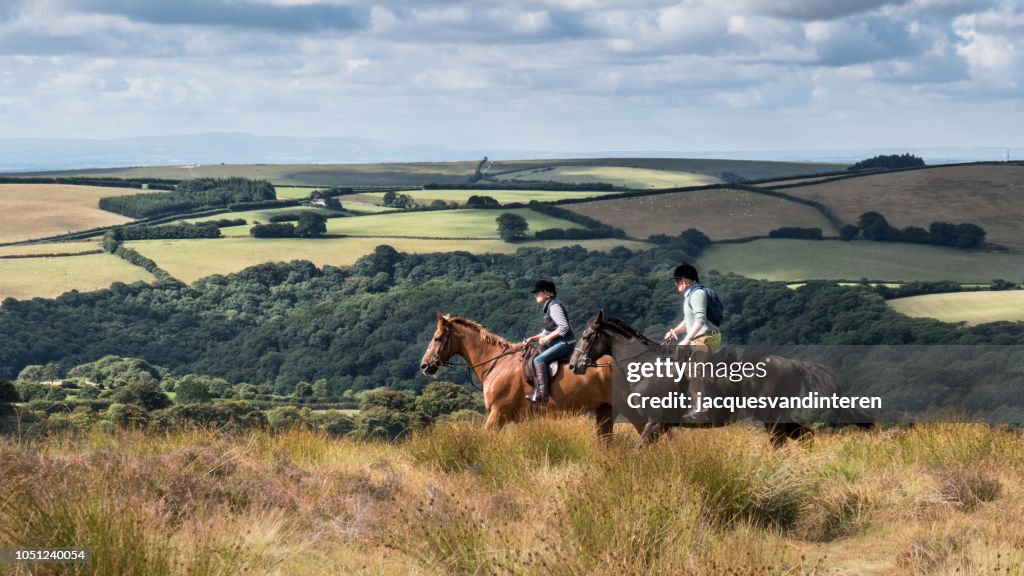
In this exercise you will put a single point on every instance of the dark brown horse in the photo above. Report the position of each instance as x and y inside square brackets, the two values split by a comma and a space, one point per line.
[498, 364]
[781, 377]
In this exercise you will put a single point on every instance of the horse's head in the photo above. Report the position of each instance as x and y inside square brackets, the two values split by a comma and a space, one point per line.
[439, 350]
[593, 343]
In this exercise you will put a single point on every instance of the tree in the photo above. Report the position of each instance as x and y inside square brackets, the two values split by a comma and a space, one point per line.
[969, 236]
[849, 232]
[481, 202]
[146, 395]
[397, 200]
[192, 389]
[303, 390]
[440, 398]
[511, 227]
[8, 393]
[311, 225]
[322, 389]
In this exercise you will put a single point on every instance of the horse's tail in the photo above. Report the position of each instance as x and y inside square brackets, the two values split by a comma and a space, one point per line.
[818, 378]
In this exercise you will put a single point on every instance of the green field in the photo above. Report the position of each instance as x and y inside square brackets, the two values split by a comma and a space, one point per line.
[969, 307]
[440, 223]
[503, 196]
[189, 260]
[796, 260]
[294, 192]
[49, 248]
[25, 278]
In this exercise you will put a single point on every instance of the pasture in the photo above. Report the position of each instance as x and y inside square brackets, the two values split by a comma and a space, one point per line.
[796, 260]
[441, 223]
[49, 248]
[25, 278]
[970, 307]
[986, 195]
[294, 192]
[503, 196]
[719, 213]
[620, 176]
[190, 260]
[541, 497]
[44, 210]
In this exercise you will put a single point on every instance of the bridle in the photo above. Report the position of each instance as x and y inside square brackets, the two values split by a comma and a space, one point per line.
[446, 341]
[586, 339]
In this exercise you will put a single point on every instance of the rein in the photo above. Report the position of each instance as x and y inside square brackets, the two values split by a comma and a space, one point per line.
[469, 367]
[447, 337]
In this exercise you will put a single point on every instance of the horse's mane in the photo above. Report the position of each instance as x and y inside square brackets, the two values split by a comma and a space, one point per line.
[627, 330]
[486, 334]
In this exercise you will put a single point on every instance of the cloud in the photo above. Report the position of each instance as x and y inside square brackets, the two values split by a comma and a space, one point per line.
[816, 9]
[231, 13]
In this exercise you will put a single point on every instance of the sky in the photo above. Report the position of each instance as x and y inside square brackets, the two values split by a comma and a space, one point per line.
[553, 75]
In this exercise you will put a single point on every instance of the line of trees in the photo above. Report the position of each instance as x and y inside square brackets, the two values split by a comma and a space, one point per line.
[171, 231]
[796, 232]
[191, 195]
[874, 226]
[889, 162]
[308, 225]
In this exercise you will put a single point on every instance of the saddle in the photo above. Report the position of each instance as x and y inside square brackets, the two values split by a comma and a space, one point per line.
[531, 352]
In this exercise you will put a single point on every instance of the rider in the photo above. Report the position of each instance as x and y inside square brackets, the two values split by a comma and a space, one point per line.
[695, 329]
[557, 337]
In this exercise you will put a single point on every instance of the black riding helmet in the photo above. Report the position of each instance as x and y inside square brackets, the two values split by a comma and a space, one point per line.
[543, 286]
[687, 271]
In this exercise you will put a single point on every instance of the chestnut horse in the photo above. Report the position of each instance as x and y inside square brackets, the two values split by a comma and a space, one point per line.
[498, 364]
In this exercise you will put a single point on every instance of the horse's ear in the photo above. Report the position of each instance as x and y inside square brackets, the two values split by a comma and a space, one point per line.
[439, 316]
[600, 314]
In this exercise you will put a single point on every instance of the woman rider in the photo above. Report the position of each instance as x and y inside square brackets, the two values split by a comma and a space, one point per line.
[696, 328]
[557, 337]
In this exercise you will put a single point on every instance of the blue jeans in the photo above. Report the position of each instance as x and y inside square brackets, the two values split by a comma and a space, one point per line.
[556, 351]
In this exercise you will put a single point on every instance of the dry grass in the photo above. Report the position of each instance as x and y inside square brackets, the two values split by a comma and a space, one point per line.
[721, 214]
[50, 248]
[25, 278]
[540, 497]
[988, 196]
[44, 210]
[615, 175]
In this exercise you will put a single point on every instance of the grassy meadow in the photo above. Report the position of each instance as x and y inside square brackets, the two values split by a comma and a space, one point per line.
[190, 260]
[540, 497]
[25, 278]
[969, 307]
[49, 248]
[43, 210]
[719, 213]
[987, 195]
[795, 260]
[441, 223]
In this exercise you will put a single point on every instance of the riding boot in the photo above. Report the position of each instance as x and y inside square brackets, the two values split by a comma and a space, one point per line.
[540, 389]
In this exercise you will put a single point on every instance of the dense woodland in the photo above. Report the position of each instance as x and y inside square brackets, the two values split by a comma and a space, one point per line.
[190, 195]
[367, 326]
